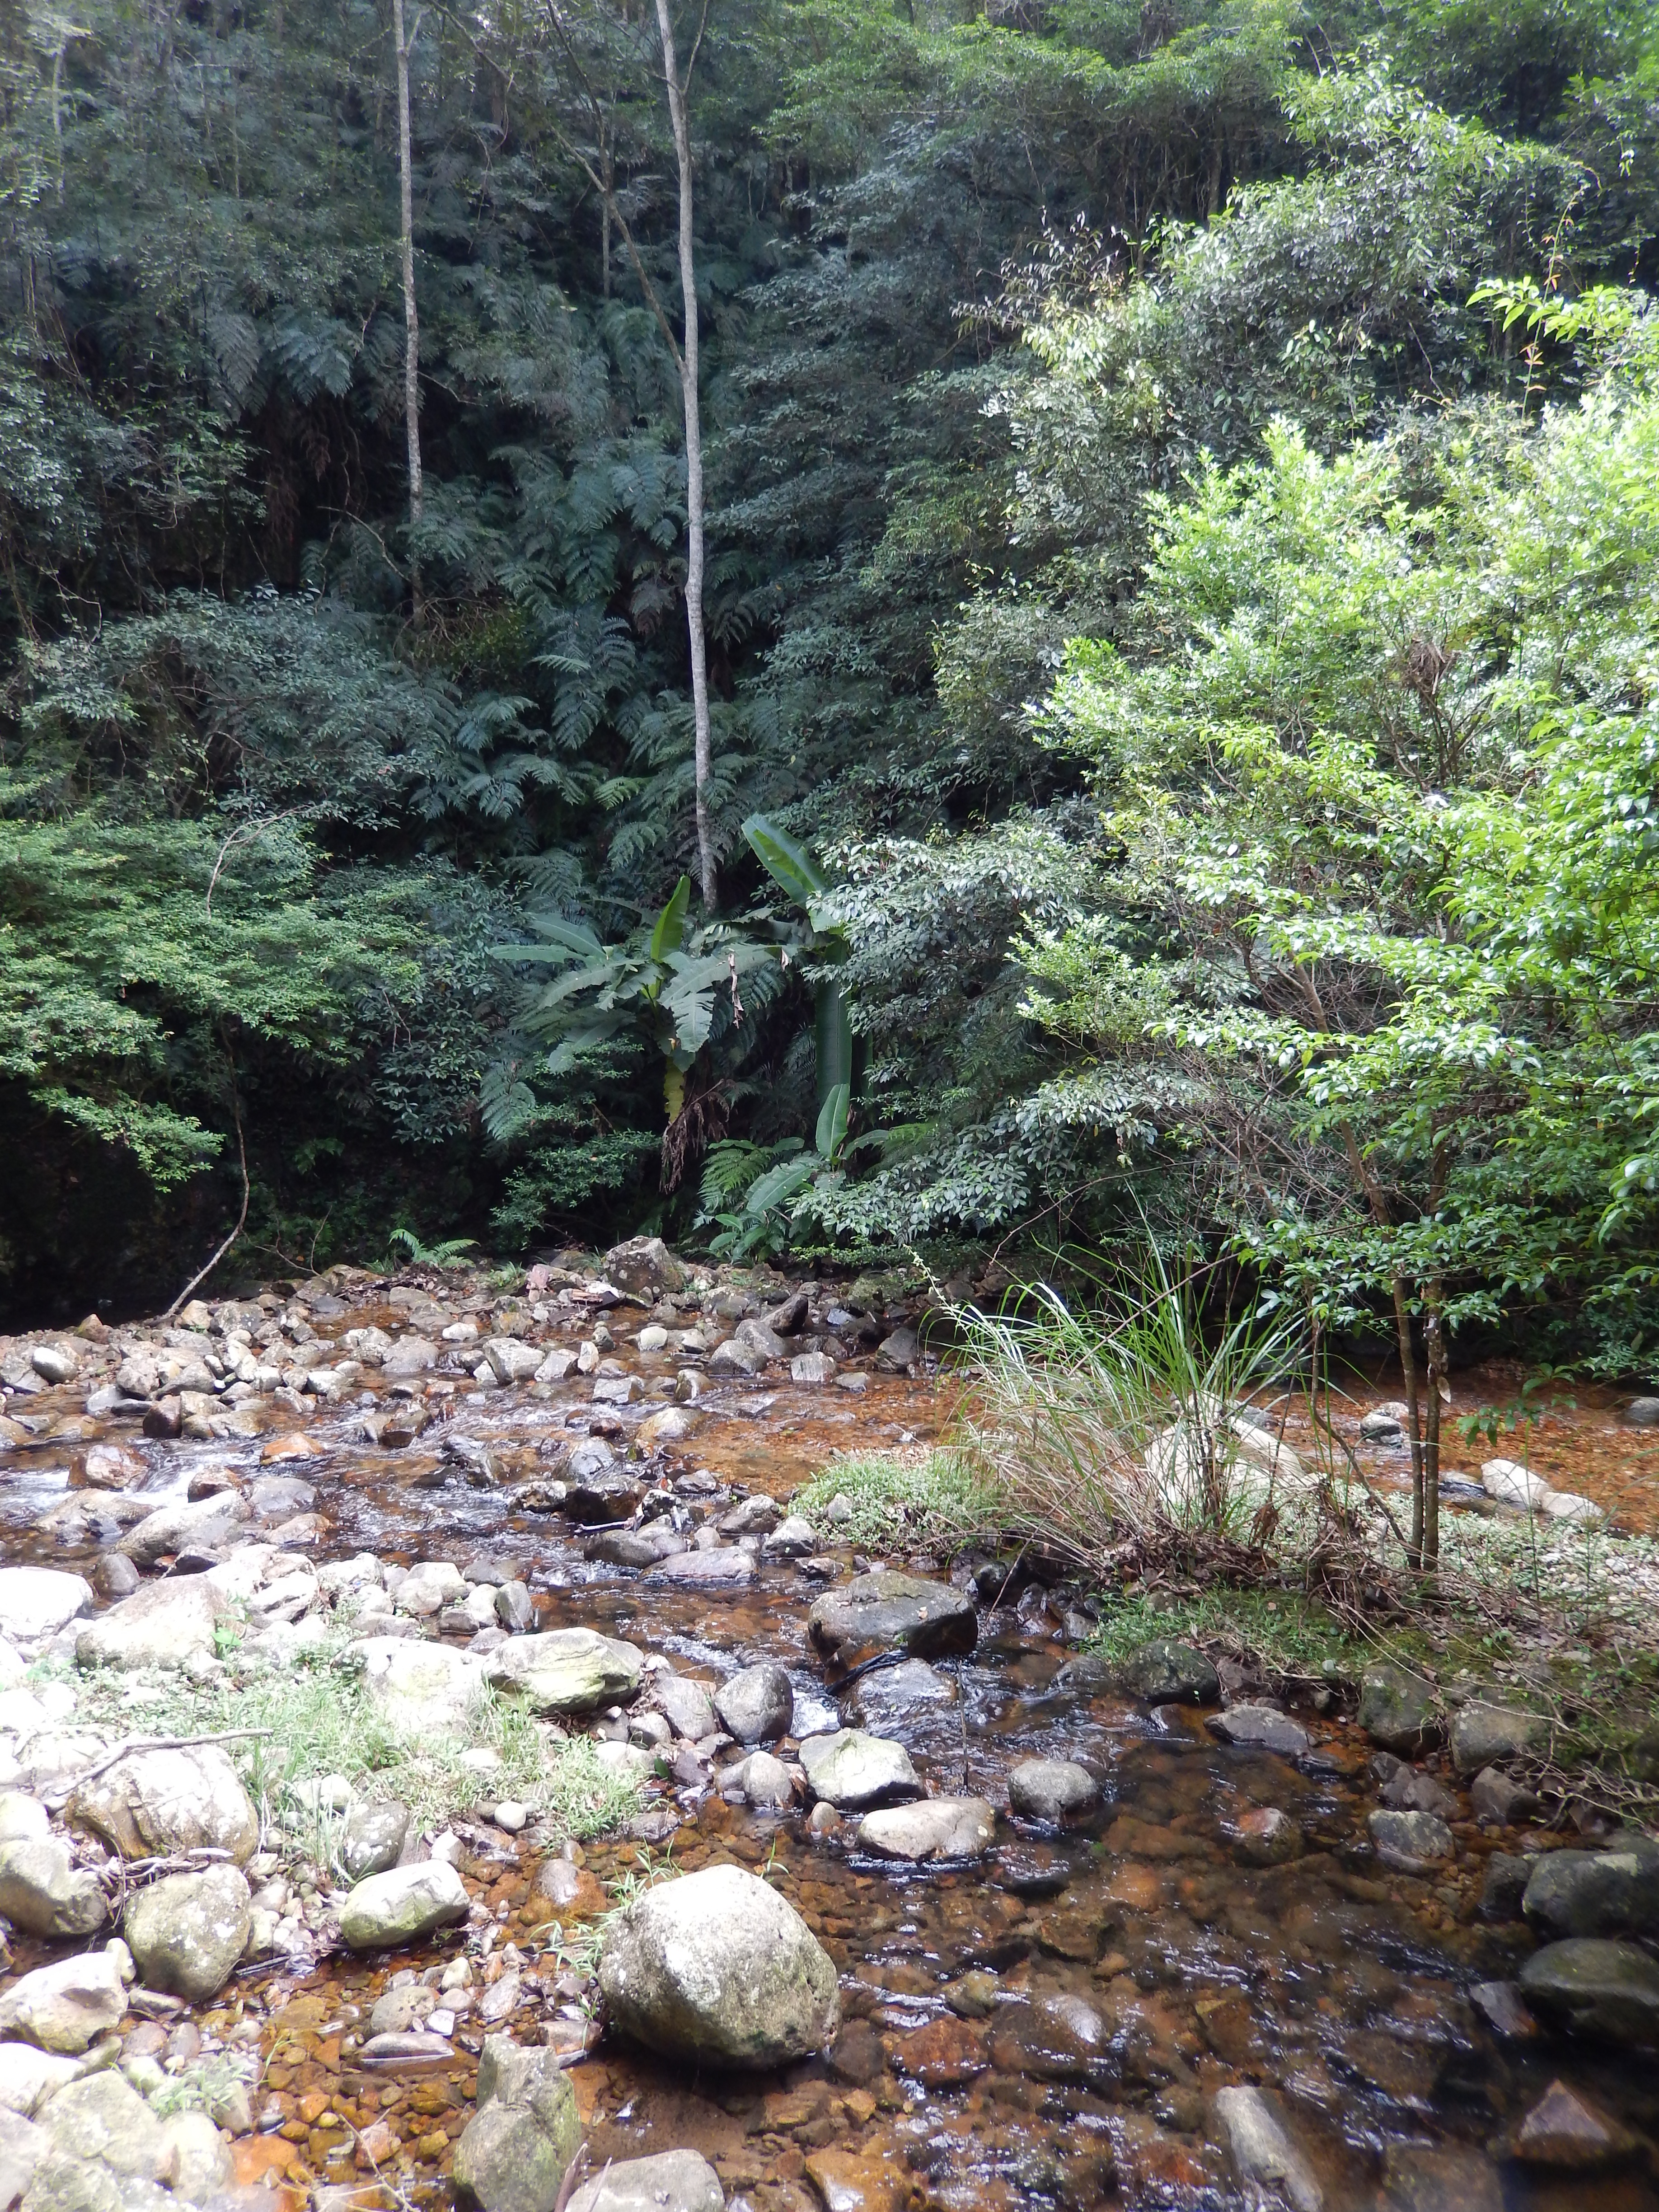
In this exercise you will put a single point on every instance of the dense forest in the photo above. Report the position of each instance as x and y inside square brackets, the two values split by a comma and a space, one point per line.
[850, 628]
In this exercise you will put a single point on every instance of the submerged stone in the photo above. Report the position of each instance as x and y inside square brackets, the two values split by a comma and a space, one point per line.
[887, 1608]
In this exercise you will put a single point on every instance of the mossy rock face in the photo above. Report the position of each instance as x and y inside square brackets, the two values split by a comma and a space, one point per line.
[885, 1610]
[188, 1931]
[1399, 1710]
[1163, 1672]
[718, 1968]
[567, 1670]
[1606, 1990]
[517, 2148]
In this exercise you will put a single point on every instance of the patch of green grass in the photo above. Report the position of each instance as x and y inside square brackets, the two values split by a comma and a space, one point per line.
[931, 1498]
[1280, 1629]
[318, 1718]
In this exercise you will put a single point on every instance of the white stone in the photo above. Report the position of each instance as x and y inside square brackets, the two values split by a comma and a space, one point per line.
[1511, 1484]
[39, 1601]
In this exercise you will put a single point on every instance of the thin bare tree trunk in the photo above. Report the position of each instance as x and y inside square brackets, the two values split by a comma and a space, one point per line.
[1435, 1334]
[693, 523]
[411, 318]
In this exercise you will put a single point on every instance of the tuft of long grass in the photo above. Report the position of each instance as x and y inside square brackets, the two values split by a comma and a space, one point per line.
[1120, 1434]
[920, 1499]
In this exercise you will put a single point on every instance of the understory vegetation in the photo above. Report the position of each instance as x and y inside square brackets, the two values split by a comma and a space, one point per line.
[872, 629]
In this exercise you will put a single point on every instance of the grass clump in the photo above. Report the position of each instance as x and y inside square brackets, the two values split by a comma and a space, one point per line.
[318, 1719]
[936, 1500]
[1283, 1630]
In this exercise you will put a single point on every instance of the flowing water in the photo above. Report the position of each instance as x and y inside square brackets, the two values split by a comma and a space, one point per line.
[1048, 2026]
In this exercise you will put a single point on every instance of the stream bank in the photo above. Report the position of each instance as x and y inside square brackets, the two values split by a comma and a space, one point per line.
[1200, 1972]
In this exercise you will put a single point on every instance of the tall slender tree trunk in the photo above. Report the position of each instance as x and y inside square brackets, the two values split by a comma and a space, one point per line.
[411, 317]
[694, 529]
[1435, 1341]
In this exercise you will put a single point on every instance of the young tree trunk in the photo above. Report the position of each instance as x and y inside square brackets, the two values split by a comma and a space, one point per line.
[1435, 1336]
[1402, 1321]
[694, 529]
[411, 318]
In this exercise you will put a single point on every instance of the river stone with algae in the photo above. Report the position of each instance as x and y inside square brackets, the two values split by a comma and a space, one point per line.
[567, 1670]
[718, 1968]
[515, 2150]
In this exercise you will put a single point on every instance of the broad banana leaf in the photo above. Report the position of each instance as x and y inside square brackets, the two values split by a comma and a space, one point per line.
[666, 938]
[837, 1048]
[785, 860]
[832, 1122]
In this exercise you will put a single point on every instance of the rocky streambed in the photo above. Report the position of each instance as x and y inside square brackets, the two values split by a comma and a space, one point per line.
[593, 1804]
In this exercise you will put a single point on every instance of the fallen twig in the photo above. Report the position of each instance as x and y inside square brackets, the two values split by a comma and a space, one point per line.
[57, 1798]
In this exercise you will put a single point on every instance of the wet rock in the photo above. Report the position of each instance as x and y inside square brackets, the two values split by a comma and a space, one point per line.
[1504, 1886]
[1052, 1789]
[44, 1893]
[1260, 1727]
[373, 1839]
[1591, 1984]
[635, 1547]
[854, 1772]
[1500, 2005]
[416, 1686]
[403, 1905]
[887, 1693]
[885, 1608]
[1565, 2131]
[794, 1538]
[1399, 1710]
[751, 1516]
[1268, 1837]
[67, 2005]
[733, 1357]
[943, 2055]
[1033, 1870]
[1408, 1789]
[39, 1601]
[718, 1968]
[515, 1610]
[188, 1932]
[813, 1369]
[164, 1624]
[1411, 1843]
[1610, 1893]
[1439, 2178]
[511, 1360]
[1163, 1672]
[975, 1996]
[514, 2151]
[726, 1567]
[28, 2076]
[932, 1828]
[160, 1804]
[671, 1426]
[409, 1356]
[1263, 2153]
[644, 1267]
[764, 1782]
[1058, 2038]
[1643, 1413]
[686, 1706]
[757, 1704]
[567, 1670]
[672, 2181]
[900, 1352]
[1486, 1735]
[401, 2011]
[208, 1521]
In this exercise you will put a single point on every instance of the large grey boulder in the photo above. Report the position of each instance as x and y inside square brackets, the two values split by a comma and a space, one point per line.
[403, 1905]
[644, 1267]
[28, 2076]
[757, 1704]
[885, 1608]
[673, 2181]
[567, 1670]
[67, 2005]
[1164, 1673]
[515, 2150]
[188, 1932]
[203, 1521]
[164, 1624]
[102, 2117]
[1596, 1987]
[39, 1601]
[932, 1828]
[1399, 1710]
[161, 1804]
[1487, 1734]
[718, 1968]
[1612, 1892]
[854, 1772]
[44, 1893]
[421, 1689]
[1052, 1789]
